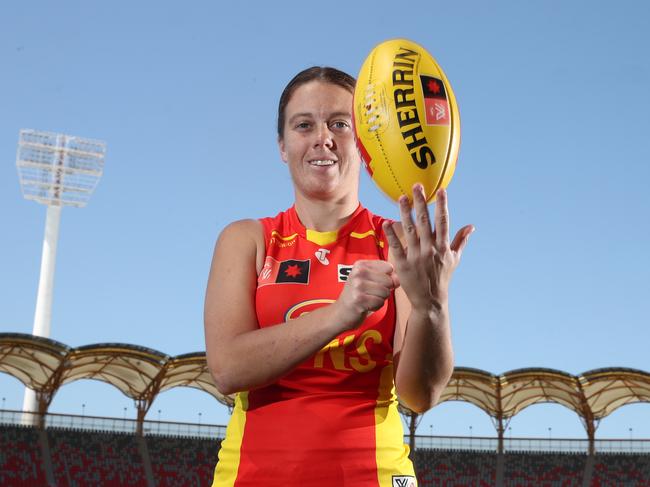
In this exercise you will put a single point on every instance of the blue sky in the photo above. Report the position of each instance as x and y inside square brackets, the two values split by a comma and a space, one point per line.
[553, 172]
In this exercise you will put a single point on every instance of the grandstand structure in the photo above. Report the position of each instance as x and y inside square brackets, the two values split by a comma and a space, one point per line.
[592, 395]
[74, 450]
[44, 365]
[69, 457]
[65, 457]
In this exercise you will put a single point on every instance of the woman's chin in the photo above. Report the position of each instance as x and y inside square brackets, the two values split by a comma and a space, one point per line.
[323, 191]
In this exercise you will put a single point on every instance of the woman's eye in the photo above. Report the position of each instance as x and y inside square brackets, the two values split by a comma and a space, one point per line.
[341, 124]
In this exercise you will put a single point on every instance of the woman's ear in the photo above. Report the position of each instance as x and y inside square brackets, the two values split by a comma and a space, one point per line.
[283, 152]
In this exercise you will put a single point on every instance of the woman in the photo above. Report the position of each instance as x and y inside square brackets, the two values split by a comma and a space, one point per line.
[316, 316]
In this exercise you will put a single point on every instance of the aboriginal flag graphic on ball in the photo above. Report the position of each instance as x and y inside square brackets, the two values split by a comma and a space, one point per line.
[296, 271]
[435, 101]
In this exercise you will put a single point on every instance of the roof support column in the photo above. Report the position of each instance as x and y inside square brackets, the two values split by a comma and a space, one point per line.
[43, 400]
[413, 420]
[587, 417]
[413, 424]
[36, 418]
[500, 432]
[591, 434]
[141, 406]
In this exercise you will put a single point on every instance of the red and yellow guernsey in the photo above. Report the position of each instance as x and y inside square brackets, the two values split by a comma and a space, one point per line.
[332, 421]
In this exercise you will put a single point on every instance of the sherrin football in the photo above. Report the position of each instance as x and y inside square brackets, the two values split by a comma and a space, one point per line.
[406, 119]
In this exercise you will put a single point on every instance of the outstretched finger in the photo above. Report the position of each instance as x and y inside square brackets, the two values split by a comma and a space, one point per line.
[394, 242]
[410, 231]
[461, 239]
[442, 220]
[422, 218]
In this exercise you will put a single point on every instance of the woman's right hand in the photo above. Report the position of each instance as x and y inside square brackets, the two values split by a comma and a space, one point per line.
[369, 284]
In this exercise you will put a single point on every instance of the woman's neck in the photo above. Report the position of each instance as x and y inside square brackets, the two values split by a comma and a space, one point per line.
[325, 215]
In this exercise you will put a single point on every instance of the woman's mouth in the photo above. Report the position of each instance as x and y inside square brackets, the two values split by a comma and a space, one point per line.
[322, 162]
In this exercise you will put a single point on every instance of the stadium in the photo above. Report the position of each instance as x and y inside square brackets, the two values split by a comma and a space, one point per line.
[65, 450]
[104, 382]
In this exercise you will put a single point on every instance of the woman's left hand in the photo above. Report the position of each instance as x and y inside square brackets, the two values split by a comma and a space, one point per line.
[425, 265]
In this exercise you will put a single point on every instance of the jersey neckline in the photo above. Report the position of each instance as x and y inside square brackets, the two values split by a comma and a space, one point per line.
[324, 238]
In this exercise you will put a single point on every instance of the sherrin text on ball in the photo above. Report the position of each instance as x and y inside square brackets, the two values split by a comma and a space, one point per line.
[406, 119]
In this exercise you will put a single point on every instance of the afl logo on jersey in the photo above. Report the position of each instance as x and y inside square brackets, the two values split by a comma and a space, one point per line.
[305, 307]
[285, 272]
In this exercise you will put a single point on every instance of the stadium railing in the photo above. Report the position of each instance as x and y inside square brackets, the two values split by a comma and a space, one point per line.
[122, 425]
[565, 445]
[478, 443]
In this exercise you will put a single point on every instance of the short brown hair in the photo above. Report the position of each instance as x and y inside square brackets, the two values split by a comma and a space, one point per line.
[315, 73]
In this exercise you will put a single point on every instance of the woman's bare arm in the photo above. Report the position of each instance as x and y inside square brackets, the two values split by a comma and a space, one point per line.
[424, 359]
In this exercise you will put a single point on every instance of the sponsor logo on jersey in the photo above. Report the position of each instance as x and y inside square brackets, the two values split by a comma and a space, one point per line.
[344, 272]
[435, 101]
[284, 272]
[321, 255]
[305, 307]
[404, 481]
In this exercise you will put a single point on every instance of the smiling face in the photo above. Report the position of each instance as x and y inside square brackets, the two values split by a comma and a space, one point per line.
[318, 142]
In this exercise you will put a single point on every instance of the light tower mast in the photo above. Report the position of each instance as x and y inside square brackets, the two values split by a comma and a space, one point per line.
[56, 170]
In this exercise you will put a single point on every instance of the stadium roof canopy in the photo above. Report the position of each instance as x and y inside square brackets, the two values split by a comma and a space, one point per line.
[141, 373]
[592, 395]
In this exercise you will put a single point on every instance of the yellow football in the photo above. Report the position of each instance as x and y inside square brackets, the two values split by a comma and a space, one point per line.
[406, 119]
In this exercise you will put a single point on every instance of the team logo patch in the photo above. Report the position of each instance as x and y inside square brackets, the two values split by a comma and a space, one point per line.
[435, 101]
[344, 272]
[404, 481]
[284, 272]
[304, 307]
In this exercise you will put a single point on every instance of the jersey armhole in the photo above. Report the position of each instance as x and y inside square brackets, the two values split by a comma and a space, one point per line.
[263, 247]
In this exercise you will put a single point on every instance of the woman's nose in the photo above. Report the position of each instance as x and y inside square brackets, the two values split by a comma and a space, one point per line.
[324, 137]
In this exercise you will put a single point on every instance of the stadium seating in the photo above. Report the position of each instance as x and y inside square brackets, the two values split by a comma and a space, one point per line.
[179, 462]
[621, 469]
[95, 458]
[80, 457]
[21, 461]
[544, 469]
[455, 468]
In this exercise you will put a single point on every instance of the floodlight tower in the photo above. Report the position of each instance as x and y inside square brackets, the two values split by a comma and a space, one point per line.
[56, 170]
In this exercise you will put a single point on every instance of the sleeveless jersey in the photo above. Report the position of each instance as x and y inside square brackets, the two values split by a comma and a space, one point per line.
[333, 420]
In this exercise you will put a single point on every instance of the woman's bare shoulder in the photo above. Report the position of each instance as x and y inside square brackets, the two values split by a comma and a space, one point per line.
[247, 228]
[243, 236]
